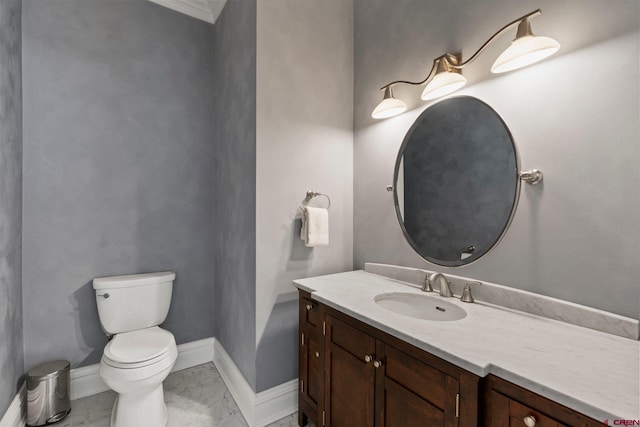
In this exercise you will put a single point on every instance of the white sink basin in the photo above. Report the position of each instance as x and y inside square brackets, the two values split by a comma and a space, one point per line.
[420, 306]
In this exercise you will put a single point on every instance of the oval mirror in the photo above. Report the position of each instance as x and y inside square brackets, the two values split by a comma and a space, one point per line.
[456, 181]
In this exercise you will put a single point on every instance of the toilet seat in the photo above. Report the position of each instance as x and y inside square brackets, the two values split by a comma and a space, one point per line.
[137, 349]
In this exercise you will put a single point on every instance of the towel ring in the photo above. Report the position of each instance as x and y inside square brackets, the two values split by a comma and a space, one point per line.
[311, 195]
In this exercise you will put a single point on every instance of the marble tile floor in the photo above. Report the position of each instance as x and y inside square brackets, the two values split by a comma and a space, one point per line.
[196, 397]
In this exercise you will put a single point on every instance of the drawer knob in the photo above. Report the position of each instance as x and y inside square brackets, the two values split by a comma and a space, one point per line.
[377, 363]
[530, 421]
[368, 358]
[309, 306]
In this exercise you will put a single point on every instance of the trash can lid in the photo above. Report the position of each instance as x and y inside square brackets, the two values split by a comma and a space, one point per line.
[48, 370]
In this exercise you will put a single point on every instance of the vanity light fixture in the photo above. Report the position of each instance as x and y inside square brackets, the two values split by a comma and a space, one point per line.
[446, 76]
[389, 106]
[525, 49]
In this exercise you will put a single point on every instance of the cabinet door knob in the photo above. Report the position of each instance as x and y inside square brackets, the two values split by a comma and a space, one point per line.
[368, 358]
[309, 306]
[377, 363]
[317, 354]
[530, 421]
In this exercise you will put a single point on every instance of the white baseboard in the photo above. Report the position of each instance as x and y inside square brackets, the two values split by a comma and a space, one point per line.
[194, 353]
[86, 381]
[276, 403]
[238, 386]
[16, 414]
[258, 409]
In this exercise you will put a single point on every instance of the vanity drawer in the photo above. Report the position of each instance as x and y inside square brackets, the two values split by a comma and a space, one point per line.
[312, 312]
[520, 414]
[508, 405]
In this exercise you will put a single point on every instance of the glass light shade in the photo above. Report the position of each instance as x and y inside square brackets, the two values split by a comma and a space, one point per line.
[389, 106]
[525, 51]
[443, 84]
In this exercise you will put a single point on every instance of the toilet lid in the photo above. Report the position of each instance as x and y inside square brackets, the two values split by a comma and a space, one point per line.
[138, 348]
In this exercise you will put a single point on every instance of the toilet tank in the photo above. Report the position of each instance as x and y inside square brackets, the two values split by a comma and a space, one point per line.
[136, 301]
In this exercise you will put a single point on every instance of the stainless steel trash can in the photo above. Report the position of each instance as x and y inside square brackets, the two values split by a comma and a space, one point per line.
[48, 393]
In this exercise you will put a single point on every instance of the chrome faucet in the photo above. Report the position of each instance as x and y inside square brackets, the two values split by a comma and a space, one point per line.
[445, 289]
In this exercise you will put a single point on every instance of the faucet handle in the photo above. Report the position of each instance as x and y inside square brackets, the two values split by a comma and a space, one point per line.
[466, 293]
[426, 285]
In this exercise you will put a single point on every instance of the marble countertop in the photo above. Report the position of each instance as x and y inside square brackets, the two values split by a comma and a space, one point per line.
[592, 372]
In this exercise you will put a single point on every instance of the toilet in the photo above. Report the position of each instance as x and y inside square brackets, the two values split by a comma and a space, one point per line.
[140, 354]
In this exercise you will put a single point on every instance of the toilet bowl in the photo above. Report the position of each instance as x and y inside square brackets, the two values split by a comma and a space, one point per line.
[134, 365]
[140, 355]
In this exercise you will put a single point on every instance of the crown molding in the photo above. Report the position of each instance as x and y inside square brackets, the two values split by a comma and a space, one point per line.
[205, 10]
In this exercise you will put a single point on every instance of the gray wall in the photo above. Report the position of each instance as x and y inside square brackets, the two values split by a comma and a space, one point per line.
[304, 142]
[118, 153]
[11, 348]
[234, 183]
[575, 116]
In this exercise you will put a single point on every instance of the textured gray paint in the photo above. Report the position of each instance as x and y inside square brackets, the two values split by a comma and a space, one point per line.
[118, 152]
[304, 142]
[577, 235]
[234, 183]
[277, 352]
[11, 346]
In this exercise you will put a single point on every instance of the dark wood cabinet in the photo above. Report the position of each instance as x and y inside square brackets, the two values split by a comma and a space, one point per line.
[312, 369]
[349, 376]
[311, 359]
[507, 405]
[415, 393]
[372, 379]
[354, 375]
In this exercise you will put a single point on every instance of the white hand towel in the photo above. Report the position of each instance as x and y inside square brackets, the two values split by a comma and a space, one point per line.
[315, 227]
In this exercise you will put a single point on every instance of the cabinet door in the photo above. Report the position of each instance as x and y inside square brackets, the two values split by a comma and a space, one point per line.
[310, 360]
[350, 376]
[413, 393]
[311, 369]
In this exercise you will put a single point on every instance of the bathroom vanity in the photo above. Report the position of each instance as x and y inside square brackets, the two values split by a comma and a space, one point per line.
[354, 374]
[363, 365]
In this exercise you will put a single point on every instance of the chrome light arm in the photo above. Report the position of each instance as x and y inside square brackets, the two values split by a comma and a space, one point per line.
[455, 61]
[406, 82]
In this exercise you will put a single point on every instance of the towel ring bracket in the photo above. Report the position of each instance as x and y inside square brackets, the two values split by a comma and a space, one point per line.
[311, 194]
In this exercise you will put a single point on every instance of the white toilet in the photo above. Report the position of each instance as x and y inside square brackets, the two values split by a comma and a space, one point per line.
[140, 354]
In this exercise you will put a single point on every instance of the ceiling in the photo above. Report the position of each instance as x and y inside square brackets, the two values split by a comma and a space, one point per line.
[205, 10]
